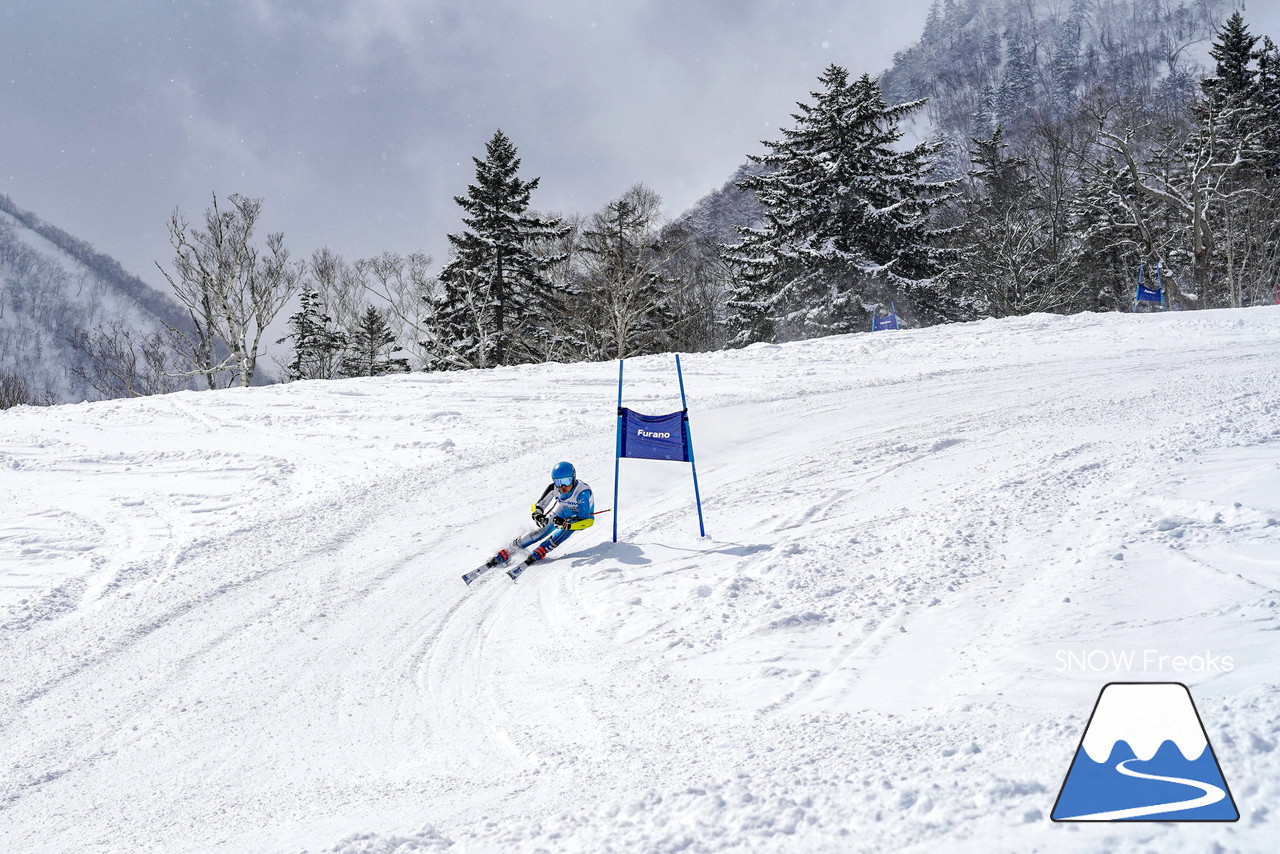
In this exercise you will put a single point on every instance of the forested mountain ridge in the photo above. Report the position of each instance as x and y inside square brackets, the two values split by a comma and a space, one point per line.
[54, 286]
[1017, 65]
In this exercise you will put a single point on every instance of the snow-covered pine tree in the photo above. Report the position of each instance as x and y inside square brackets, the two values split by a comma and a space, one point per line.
[1015, 97]
[1104, 252]
[846, 219]
[1064, 65]
[496, 291]
[317, 347]
[1233, 53]
[1269, 108]
[1238, 117]
[370, 352]
[1232, 106]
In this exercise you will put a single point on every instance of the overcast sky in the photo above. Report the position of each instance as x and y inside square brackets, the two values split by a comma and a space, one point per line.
[356, 120]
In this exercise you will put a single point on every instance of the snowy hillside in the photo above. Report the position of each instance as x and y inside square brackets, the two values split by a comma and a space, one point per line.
[233, 621]
[49, 288]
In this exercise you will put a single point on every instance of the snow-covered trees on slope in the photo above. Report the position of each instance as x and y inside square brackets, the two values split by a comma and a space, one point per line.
[317, 344]
[118, 361]
[1196, 195]
[371, 348]
[56, 291]
[847, 220]
[526, 287]
[1021, 157]
[14, 391]
[1127, 151]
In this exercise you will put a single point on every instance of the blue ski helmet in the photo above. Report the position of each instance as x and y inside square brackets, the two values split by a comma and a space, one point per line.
[564, 477]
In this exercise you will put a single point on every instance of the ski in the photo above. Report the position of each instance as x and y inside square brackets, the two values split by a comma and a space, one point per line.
[471, 576]
[514, 572]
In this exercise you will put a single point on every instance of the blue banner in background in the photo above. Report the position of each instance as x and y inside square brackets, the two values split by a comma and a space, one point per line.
[888, 322]
[1145, 294]
[654, 437]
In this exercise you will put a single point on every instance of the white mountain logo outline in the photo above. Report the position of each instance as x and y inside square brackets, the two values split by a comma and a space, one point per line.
[1145, 756]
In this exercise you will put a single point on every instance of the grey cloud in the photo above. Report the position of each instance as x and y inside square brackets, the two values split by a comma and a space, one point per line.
[356, 120]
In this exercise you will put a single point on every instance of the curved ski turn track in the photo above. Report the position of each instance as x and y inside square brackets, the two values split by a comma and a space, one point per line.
[233, 622]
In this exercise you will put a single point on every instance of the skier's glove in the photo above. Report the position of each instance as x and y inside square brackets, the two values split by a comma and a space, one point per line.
[563, 523]
[539, 518]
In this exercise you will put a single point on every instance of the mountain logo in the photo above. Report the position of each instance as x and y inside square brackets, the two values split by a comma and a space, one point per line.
[1145, 756]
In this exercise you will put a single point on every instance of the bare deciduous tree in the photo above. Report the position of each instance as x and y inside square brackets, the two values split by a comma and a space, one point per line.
[119, 362]
[1186, 180]
[623, 271]
[14, 392]
[232, 288]
[407, 287]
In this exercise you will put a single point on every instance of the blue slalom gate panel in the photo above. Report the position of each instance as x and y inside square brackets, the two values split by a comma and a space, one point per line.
[889, 321]
[654, 437]
[1146, 294]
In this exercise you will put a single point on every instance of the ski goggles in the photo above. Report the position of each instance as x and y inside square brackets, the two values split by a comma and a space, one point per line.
[564, 484]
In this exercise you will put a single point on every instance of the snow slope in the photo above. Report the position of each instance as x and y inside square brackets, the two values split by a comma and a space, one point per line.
[232, 621]
[48, 292]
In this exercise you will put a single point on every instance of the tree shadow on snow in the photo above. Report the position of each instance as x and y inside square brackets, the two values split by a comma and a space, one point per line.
[634, 555]
[627, 553]
[735, 549]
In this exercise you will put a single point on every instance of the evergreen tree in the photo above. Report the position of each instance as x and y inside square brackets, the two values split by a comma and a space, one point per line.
[1268, 109]
[1232, 107]
[933, 26]
[1236, 124]
[1064, 67]
[1017, 84]
[317, 348]
[1105, 251]
[845, 219]
[1233, 55]
[372, 343]
[985, 120]
[496, 294]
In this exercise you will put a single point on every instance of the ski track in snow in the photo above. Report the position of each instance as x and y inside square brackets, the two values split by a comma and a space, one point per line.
[234, 622]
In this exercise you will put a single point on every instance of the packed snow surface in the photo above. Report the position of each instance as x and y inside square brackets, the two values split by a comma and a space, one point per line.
[233, 621]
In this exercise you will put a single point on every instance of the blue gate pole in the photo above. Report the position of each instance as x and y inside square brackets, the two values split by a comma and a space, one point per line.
[893, 309]
[617, 458]
[688, 440]
[1141, 267]
[1160, 285]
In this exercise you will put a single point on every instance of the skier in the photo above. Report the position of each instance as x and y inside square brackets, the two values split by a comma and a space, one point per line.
[565, 506]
